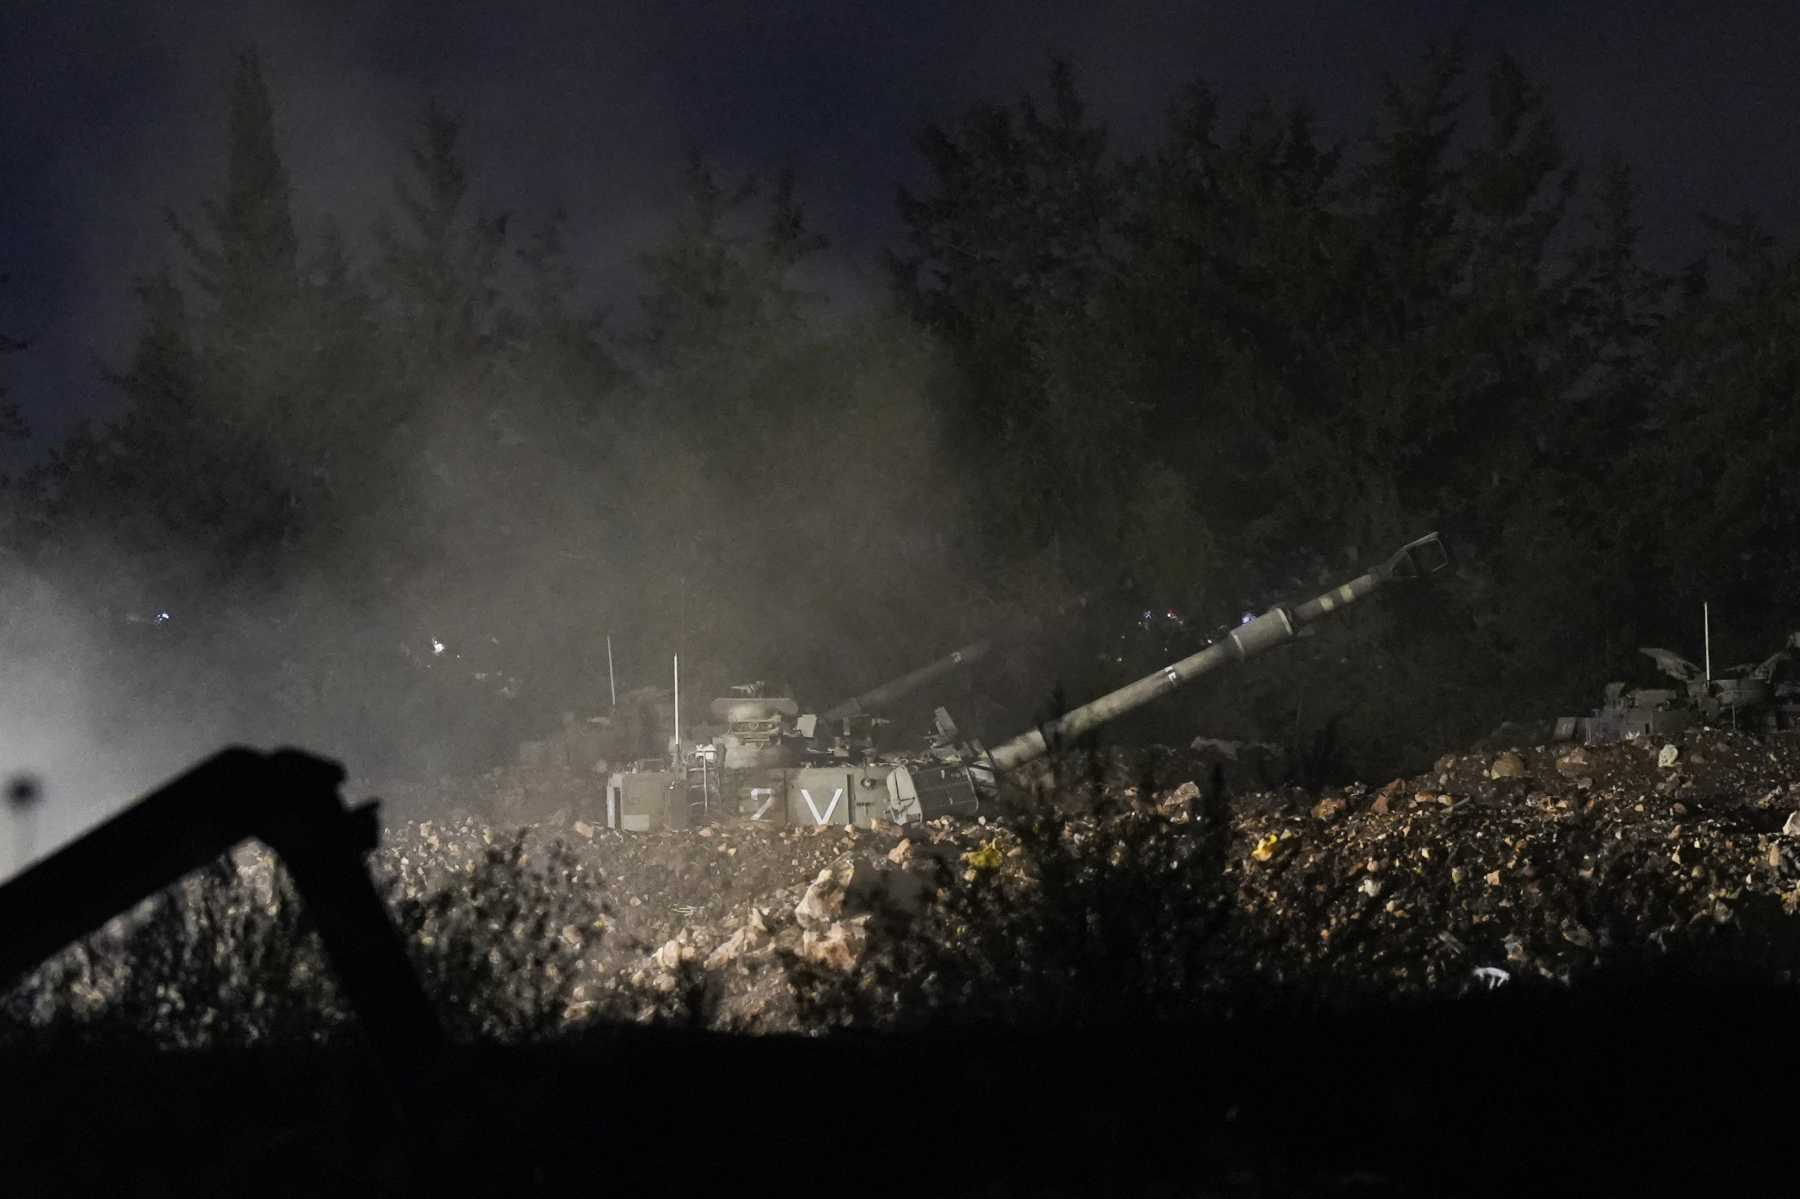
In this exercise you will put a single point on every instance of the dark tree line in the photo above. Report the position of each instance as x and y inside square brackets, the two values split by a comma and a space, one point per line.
[1208, 375]
[1248, 361]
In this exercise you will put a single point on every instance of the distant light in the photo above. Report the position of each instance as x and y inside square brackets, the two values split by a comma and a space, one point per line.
[1246, 618]
[162, 618]
[437, 647]
[1172, 614]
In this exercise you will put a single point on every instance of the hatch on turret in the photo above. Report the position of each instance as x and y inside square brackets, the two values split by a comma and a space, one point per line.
[759, 726]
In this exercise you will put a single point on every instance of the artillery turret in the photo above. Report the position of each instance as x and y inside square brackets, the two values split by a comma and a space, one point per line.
[821, 776]
[760, 733]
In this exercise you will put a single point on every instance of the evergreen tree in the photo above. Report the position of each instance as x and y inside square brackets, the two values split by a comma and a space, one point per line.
[722, 314]
[1720, 522]
[246, 262]
[1017, 234]
[559, 350]
[1225, 323]
[720, 283]
[439, 266]
[1006, 260]
[238, 453]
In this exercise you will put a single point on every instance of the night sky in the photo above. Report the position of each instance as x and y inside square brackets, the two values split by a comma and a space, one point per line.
[110, 113]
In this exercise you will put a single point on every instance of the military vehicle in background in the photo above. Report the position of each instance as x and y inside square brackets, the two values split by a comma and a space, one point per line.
[759, 732]
[1762, 694]
[771, 763]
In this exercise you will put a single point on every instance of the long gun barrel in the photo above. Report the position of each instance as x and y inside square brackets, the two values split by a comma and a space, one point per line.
[877, 698]
[1275, 627]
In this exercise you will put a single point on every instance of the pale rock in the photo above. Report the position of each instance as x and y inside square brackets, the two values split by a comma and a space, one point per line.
[1575, 762]
[901, 854]
[838, 947]
[672, 954]
[1507, 765]
[1181, 798]
[1577, 934]
[1328, 809]
[1792, 827]
[1225, 749]
[1667, 756]
[745, 940]
[823, 902]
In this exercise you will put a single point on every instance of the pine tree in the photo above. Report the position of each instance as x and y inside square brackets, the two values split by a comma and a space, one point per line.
[438, 266]
[1715, 495]
[721, 289]
[1006, 259]
[1016, 237]
[245, 262]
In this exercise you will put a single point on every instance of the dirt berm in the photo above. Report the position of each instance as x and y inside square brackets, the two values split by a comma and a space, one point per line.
[1534, 865]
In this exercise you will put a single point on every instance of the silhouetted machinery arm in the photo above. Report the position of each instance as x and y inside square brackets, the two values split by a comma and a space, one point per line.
[288, 800]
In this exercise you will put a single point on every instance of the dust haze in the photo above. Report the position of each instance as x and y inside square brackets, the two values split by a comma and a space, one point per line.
[412, 554]
[482, 349]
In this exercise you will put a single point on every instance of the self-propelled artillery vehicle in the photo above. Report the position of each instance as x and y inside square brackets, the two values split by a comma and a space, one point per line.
[774, 764]
[1750, 695]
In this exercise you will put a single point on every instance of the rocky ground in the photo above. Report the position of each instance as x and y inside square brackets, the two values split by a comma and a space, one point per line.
[1488, 929]
[1527, 864]
[1119, 886]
